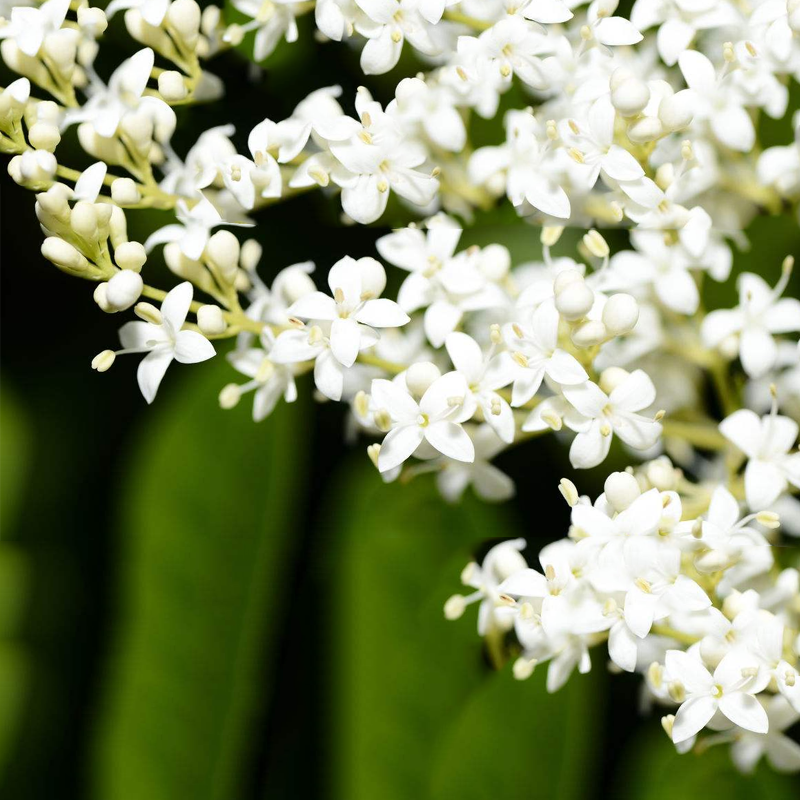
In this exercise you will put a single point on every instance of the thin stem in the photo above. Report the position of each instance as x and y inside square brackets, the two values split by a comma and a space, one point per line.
[698, 434]
[672, 633]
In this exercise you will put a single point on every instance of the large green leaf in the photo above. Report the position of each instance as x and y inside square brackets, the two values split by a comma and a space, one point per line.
[416, 712]
[207, 530]
[654, 771]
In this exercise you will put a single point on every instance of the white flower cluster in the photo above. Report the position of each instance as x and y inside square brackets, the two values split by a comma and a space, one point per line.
[645, 128]
[697, 604]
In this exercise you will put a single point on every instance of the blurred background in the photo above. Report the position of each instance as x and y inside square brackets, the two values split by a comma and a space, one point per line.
[196, 606]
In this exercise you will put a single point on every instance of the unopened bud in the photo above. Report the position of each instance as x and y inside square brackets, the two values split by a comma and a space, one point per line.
[64, 255]
[210, 320]
[621, 489]
[130, 256]
[124, 289]
[124, 192]
[420, 375]
[620, 314]
[171, 86]
[589, 334]
[675, 111]
[575, 301]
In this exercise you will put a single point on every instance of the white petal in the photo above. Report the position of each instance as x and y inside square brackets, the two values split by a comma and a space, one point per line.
[398, 445]
[345, 340]
[451, 440]
[692, 717]
[757, 350]
[466, 355]
[440, 319]
[589, 448]
[743, 428]
[622, 647]
[151, 371]
[763, 483]
[175, 305]
[382, 313]
[329, 376]
[616, 31]
[745, 711]
[315, 305]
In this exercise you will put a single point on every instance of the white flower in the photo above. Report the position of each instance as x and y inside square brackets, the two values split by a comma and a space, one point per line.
[766, 441]
[782, 752]
[435, 419]
[124, 94]
[165, 342]
[270, 381]
[387, 24]
[527, 165]
[484, 376]
[717, 103]
[193, 229]
[29, 26]
[609, 414]
[271, 19]
[536, 353]
[761, 313]
[202, 164]
[731, 690]
[355, 308]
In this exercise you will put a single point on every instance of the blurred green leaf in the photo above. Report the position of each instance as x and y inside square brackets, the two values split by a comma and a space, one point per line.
[14, 677]
[514, 740]
[208, 527]
[654, 771]
[15, 444]
[416, 712]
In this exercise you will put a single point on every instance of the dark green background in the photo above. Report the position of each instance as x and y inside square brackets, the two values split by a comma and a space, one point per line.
[193, 606]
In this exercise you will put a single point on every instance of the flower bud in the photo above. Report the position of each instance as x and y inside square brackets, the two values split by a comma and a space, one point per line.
[621, 490]
[138, 129]
[210, 320]
[373, 277]
[84, 220]
[100, 296]
[589, 334]
[222, 251]
[630, 97]
[646, 130]
[620, 314]
[130, 256]
[575, 300]
[618, 77]
[675, 111]
[611, 377]
[420, 376]
[250, 254]
[64, 255]
[184, 18]
[171, 86]
[565, 278]
[44, 136]
[124, 192]
[124, 289]
[92, 21]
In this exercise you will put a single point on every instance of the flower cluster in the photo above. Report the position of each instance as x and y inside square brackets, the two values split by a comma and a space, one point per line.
[645, 129]
[694, 602]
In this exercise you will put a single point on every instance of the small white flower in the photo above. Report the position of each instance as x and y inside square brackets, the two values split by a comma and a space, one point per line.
[766, 441]
[731, 690]
[165, 342]
[29, 26]
[435, 419]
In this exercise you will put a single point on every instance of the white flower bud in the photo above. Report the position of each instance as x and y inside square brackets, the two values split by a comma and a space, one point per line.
[611, 377]
[250, 254]
[124, 289]
[373, 277]
[508, 561]
[104, 361]
[589, 334]
[138, 128]
[44, 136]
[210, 320]
[661, 474]
[37, 166]
[676, 111]
[296, 285]
[618, 77]
[130, 256]
[61, 47]
[84, 220]
[620, 314]
[171, 86]
[621, 490]
[100, 296]
[64, 255]
[124, 192]
[117, 226]
[92, 21]
[630, 97]
[420, 376]
[565, 278]
[646, 130]
[575, 300]
[223, 252]
[184, 17]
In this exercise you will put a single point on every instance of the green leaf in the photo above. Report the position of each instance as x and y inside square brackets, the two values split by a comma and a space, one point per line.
[416, 711]
[207, 530]
[653, 770]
